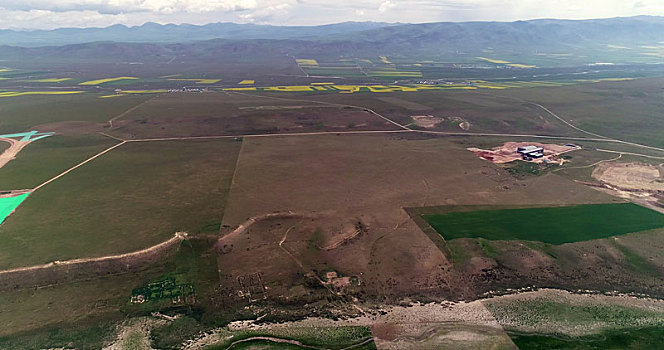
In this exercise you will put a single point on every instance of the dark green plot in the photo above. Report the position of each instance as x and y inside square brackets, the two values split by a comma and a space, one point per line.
[644, 338]
[555, 225]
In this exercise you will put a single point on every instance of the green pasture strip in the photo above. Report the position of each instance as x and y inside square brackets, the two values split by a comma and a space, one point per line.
[555, 225]
[640, 338]
[8, 204]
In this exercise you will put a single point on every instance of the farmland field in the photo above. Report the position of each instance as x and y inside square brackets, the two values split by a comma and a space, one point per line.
[639, 338]
[555, 225]
[302, 184]
[29, 112]
[123, 192]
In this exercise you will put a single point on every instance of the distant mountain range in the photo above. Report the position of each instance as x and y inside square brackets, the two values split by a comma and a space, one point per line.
[562, 42]
[172, 33]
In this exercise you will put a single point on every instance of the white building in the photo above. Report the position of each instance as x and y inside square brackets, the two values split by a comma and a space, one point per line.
[531, 151]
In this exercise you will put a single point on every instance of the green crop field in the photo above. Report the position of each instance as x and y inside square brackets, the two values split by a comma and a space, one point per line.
[644, 338]
[555, 225]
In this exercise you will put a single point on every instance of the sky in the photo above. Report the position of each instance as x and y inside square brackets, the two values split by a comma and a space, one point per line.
[50, 14]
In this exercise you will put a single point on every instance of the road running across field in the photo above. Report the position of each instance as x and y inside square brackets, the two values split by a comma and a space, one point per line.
[402, 129]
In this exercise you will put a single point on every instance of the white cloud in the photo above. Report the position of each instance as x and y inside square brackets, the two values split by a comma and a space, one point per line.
[81, 13]
[386, 5]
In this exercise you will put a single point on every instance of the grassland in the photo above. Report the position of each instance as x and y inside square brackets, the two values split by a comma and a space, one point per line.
[620, 109]
[637, 339]
[330, 338]
[26, 112]
[46, 158]
[32, 93]
[140, 193]
[553, 319]
[49, 317]
[133, 197]
[369, 186]
[555, 225]
[206, 114]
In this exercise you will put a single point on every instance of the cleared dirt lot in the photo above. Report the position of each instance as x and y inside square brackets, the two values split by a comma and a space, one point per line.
[630, 176]
[10, 153]
[508, 152]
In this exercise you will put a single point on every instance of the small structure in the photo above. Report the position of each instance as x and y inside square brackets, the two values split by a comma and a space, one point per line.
[531, 152]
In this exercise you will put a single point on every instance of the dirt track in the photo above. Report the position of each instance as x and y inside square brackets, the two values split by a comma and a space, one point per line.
[11, 152]
[243, 227]
[60, 271]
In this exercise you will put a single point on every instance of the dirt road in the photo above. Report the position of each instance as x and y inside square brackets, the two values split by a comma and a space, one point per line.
[176, 239]
[11, 152]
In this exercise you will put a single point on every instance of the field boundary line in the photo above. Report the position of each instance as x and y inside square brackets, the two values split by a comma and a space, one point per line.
[110, 121]
[591, 165]
[110, 136]
[268, 135]
[79, 165]
[177, 237]
[230, 186]
[241, 228]
[628, 153]
[329, 104]
[568, 123]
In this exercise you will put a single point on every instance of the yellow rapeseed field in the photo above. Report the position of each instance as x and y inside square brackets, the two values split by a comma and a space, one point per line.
[143, 91]
[376, 88]
[241, 89]
[107, 80]
[50, 80]
[492, 60]
[115, 95]
[519, 65]
[307, 62]
[24, 93]
[198, 81]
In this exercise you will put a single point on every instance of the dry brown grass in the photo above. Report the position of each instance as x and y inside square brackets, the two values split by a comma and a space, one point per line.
[344, 180]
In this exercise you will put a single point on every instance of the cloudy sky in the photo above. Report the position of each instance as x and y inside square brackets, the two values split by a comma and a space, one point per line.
[48, 14]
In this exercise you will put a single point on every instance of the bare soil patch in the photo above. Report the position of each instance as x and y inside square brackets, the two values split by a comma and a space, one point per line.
[630, 176]
[417, 326]
[427, 121]
[15, 146]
